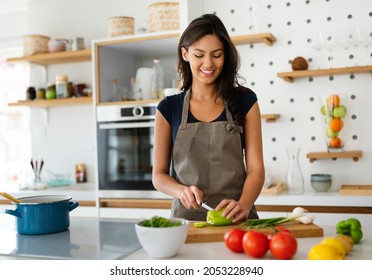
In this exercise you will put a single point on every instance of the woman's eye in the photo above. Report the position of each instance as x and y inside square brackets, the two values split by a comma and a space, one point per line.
[198, 55]
[217, 55]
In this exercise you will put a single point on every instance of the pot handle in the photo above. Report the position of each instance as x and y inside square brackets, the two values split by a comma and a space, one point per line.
[72, 205]
[13, 213]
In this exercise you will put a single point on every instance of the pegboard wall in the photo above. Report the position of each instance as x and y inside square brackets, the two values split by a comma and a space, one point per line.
[297, 25]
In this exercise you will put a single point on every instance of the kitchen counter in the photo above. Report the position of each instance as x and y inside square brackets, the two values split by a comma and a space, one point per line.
[109, 239]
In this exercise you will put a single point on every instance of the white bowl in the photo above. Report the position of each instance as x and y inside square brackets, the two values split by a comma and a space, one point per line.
[162, 242]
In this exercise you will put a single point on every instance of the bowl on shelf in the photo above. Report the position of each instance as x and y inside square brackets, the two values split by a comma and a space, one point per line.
[321, 182]
[162, 242]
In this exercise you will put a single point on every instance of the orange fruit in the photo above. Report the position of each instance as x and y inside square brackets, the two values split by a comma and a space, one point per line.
[336, 124]
[333, 100]
[335, 142]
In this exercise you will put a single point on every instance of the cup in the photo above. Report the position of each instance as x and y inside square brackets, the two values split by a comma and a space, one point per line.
[77, 43]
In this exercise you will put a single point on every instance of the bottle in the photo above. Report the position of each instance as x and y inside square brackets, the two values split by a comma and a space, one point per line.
[132, 94]
[115, 91]
[61, 86]
[157, 82]
[81, 173]
[294, 177]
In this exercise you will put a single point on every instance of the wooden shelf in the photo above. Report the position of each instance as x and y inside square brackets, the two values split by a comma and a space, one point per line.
[48, 103]
[54, 58]
[355, 155]
[266, 38]
[290, 76]
[270, 117]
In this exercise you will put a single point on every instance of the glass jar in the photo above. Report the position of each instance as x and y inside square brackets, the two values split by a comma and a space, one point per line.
[31, 93]
[61, 86]
[51, 91]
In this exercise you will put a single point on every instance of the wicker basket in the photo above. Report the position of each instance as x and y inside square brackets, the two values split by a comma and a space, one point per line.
[33, 44]
[119, 26]
[164, 16]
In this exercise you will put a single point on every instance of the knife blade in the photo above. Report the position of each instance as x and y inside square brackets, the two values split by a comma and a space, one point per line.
[205, 206]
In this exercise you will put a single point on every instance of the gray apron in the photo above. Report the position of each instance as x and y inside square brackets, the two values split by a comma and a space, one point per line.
[209, 156]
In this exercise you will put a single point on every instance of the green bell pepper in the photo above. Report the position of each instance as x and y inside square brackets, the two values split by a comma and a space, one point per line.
[351, 227]
[215, 218]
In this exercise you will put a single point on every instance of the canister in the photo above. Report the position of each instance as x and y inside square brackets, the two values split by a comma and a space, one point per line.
[51, 91]
[61, 86]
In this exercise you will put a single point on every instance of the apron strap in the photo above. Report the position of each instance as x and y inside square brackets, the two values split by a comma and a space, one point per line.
[185, 110]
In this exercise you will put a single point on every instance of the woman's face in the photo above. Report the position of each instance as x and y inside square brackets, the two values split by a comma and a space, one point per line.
[206, 59]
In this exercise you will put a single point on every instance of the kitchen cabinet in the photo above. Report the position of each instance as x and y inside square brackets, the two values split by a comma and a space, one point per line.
[290, 76]
[120, 58]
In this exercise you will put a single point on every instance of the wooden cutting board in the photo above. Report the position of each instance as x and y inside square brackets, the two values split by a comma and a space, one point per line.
[216, 233]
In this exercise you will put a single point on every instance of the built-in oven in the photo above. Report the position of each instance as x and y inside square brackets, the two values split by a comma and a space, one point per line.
[125, 141]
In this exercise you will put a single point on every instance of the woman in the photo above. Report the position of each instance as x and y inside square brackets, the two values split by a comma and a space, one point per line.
[209, 130]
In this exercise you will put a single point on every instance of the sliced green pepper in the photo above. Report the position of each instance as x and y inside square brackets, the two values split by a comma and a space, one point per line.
[215, 218]
[351, 227]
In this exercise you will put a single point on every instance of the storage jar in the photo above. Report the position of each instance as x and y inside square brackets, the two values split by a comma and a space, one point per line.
[164, 16]
[119, 26]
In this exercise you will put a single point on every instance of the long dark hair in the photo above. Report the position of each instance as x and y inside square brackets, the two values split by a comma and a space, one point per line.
[228, 86]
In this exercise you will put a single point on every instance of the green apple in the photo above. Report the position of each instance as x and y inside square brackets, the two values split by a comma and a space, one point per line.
[325, 110]
[328, 119]
[339, 111]
[331, 134]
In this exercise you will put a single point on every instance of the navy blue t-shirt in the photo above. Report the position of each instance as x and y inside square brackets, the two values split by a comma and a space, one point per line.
[171, 108]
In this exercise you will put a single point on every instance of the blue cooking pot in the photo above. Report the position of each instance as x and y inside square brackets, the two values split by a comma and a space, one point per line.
[43, 214]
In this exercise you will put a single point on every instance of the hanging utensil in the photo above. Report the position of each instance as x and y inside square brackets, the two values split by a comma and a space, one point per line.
[11, 198]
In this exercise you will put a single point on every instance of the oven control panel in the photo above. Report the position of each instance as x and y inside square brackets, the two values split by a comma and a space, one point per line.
[126, 112]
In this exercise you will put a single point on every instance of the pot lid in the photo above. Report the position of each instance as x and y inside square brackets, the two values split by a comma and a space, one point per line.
[42, 199]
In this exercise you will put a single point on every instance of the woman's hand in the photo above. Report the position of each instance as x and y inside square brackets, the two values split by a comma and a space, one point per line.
[234, 209]
[191, 197]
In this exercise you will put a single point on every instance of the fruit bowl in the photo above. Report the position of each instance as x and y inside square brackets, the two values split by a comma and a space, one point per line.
[162, 242]
[333, 110]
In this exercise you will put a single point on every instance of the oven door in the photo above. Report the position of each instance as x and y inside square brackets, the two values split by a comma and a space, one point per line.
[125, 155]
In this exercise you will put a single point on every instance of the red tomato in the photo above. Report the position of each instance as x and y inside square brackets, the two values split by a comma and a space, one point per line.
[283, 245]
[255, 243]
[234, 240]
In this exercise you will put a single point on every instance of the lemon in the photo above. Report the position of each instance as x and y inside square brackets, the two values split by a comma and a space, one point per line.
[324, 252]
[336, 243]
[347, 241]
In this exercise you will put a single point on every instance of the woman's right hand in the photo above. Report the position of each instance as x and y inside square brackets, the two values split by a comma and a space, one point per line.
[191, 197]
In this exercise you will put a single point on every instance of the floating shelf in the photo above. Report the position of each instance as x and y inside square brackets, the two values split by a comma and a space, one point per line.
[270, 117]
[47, 103]
[355, 155]
[266, 38]
[54, 58]
[290, 76]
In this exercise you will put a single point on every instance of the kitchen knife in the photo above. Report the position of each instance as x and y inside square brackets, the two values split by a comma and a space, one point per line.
[205, 206]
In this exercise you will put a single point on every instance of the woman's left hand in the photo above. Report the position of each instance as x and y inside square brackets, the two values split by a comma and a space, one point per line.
[234, 209]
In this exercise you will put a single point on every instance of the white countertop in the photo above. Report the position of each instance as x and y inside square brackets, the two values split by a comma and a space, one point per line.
[94, 238]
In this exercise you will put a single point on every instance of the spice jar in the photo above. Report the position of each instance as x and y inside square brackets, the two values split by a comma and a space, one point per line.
[81, 173]
[41, 93]
[51, 91]
[31, 93]
[61, 86]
